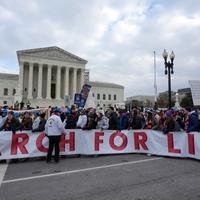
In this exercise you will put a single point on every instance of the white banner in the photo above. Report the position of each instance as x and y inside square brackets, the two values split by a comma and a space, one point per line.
[27, 144]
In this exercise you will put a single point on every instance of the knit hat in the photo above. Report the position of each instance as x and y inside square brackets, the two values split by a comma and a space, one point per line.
[57, 110]
[169, 113]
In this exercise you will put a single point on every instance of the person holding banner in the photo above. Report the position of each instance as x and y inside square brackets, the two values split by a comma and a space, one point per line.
[113, 121]
[11, 124]
[53, 129]
[82, 120]
[27, 121]
[3, 117]
[193, 121]
[42, 122]
[102, 121]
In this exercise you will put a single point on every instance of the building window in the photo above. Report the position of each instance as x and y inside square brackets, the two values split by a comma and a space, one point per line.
[93, 95]
[104, 97]
[5, 102]
[98, 96]
[109, 97]
[14, 91]
[115, 97]
[5, 92]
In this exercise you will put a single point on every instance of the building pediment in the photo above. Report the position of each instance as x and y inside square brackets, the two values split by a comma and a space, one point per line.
[54, 53]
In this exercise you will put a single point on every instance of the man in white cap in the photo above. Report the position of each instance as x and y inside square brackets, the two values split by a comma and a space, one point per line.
[54, 129]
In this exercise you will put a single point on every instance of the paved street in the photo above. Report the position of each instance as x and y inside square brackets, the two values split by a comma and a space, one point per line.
[130, 176]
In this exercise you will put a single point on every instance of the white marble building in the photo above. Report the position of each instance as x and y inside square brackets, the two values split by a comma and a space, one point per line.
[107, 94]
[48, 75]
[8, 88]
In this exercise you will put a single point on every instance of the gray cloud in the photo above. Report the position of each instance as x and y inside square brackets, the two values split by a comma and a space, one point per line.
[116, 37]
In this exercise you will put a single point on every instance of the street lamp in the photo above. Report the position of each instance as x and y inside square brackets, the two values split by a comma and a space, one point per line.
[169, 70]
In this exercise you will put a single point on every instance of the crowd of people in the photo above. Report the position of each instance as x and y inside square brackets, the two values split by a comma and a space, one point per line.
[109, 119]
[56, 120]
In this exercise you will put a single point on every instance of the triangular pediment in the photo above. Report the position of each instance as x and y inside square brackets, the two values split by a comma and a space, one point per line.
[52, 53]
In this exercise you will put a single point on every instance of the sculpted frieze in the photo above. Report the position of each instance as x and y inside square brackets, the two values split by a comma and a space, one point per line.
[54, 54]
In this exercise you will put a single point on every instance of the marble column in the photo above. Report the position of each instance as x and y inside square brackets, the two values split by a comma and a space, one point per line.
[48, 82]
[21, 78]
[39, 94]
[58, 79]
[82, 78]
[66, 81]
[30, 81]
[74, 81]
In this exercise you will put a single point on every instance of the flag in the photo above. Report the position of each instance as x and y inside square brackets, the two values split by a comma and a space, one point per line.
[84, 94]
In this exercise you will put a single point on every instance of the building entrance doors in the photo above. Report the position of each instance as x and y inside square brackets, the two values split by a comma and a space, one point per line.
[53, 90]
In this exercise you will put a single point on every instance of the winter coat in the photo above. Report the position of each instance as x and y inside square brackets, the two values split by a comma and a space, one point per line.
[123, 123]
[193, 122]
[41, 126]
[103, 123]
[91, 122]
[113, 121]
[70, 122]
[36, 123]
[11, 125]
[82, 121]
[135, 122]
[54, 126]
[27, 124]
[169, 125]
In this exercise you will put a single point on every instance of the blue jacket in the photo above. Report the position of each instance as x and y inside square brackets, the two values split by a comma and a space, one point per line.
[193, 122]
[123, 123]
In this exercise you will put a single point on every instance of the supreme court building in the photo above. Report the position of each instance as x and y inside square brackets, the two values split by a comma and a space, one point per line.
[51, 76]
[48, 75]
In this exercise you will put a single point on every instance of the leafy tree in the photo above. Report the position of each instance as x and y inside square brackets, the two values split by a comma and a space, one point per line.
[187, 101]
[162, 103]
[136, 103]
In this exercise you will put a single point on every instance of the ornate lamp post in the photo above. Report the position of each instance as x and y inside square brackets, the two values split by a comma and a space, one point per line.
[168, 71]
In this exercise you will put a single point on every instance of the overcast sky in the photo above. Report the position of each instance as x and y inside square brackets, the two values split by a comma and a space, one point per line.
[116, 37]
